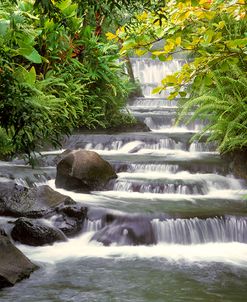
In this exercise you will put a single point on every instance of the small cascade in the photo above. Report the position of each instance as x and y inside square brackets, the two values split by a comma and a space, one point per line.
[162, 170]
[151, 72]
[22, 182]
[175, 212]
[153, 168]
[125, 146]
[160, 188]
[196, 231]
[152, 103]
[92, 225]
[201, 147]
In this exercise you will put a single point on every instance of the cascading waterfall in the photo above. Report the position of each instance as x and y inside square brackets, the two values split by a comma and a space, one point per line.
[195, 231]
[148, 72]
[174, 218]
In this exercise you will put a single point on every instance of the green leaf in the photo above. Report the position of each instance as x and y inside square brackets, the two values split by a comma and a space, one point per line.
[208, 79]
[141, 52]
[30, 54]
[63, 4]
[157, 90]
[129, 43]
[237, 43]
[32, 76]
[162, 58]
[182, 93]
[4, 26]
[208, 35]
[172, 95]
[194, 2]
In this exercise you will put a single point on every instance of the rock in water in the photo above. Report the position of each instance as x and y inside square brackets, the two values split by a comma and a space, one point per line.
[83, 171]
[19, 201]
[35, 232]
[14, 265]
[69, 219]
[129, 230]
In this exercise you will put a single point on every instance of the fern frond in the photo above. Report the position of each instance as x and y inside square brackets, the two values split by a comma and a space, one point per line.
[224, 106]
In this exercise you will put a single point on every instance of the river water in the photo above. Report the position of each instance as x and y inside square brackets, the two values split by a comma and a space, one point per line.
[185, 190]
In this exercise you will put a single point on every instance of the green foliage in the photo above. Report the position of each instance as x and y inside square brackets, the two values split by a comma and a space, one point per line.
[211, 32]
[29, 116]
[212, 35]
[224, 107]
[55, 75]
[5, 144]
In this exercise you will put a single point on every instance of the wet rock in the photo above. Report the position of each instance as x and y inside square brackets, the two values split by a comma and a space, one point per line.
[83, 171]
[35, 232]
[69, 226]
[2, 231]
[14, 265]
[75, 211]
[17, 200]
[238, 162]
[22, 172]
[70, 219]
[130, 230]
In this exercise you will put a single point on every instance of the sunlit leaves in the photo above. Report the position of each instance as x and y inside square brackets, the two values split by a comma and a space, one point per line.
[110, 36]
[210, 30]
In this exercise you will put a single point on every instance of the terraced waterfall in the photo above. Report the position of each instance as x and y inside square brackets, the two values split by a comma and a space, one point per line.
[177, 199]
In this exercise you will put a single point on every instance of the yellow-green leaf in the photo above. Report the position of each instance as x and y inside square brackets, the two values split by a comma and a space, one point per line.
[208, 36]
[140, 52]
[157, 90]
[221, 24]
[110, 36]
[178, 40]
[158, 52]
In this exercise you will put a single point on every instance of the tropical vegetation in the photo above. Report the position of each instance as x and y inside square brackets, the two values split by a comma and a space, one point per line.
[212, 36]
[57, 72]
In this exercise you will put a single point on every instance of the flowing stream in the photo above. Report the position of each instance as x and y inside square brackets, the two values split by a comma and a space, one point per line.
[184, 192]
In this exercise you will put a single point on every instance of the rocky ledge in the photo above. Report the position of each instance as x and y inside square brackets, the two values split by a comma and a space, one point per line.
[45, 216]
[14, 265]
[238, 162]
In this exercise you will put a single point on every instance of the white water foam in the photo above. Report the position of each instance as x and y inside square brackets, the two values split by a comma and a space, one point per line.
[228, 180]
[223, 195]
[232, 253]
[89, 199]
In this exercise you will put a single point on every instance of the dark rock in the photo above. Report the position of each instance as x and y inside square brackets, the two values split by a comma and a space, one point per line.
[130, 230]
[2, 231]
[35, 232]
[70, 219]
[69, 226]
[14, 265]
[238, 162]
[75, 211]
[18, 201]
[83, 171]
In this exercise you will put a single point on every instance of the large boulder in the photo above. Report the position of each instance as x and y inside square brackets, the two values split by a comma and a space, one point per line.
[19, 201]
[35, 232]
[14, 265]
[126, 230]
[83, 171]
